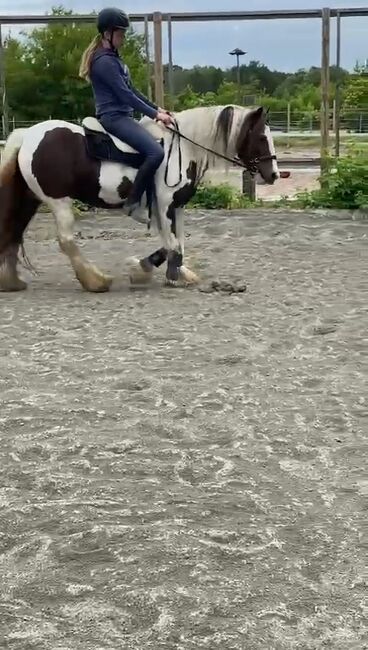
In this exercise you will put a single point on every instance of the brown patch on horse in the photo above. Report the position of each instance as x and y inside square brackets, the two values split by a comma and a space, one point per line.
[250, 143]
[124, 187]
[8, 169]
[63, 149]
[17, 207]
[63, 168]
[7, 201]
[182, 196]
[224, 124]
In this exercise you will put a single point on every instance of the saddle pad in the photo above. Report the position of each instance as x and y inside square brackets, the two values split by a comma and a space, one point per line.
[92, 124]
[100, 146]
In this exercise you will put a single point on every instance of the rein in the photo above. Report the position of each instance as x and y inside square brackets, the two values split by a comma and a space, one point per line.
[251, 165]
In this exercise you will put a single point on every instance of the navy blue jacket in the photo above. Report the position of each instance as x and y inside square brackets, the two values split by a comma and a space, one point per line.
[112, 87]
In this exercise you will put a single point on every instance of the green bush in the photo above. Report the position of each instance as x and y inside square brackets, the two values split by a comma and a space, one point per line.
[343, 185]
[219, 197]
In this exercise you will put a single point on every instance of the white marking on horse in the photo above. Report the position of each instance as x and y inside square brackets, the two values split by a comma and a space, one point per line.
[271, 145]
[111, 176]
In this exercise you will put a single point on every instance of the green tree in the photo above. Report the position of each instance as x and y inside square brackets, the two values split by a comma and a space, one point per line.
[42, 70]
[187, 99]
[228, 93]
[356, 89]
[258, 75]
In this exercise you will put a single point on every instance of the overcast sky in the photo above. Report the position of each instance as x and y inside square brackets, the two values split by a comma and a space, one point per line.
[281, 44]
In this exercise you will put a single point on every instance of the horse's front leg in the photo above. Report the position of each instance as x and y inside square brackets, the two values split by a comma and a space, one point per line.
[165, 215]
[141, 270]
[170, 224]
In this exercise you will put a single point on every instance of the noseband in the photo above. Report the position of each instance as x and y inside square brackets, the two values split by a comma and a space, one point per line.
[252, 165]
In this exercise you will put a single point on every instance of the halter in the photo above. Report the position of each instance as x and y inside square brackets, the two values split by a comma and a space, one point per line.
[251, 165]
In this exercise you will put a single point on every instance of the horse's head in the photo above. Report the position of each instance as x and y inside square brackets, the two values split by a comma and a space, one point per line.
[255, 147]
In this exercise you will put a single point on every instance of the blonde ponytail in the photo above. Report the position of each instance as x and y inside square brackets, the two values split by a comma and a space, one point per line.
[87, 57]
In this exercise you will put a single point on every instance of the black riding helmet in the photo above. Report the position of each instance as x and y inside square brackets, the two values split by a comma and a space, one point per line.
[112, 18]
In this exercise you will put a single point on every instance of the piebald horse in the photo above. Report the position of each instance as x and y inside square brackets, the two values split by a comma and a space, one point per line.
[54, 162]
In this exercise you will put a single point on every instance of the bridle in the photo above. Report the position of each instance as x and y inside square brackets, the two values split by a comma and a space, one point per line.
[251, 165]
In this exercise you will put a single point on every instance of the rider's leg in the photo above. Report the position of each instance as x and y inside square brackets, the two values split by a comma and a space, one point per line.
[131, 132]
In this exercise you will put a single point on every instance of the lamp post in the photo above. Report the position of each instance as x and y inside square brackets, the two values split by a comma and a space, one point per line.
[238, 53]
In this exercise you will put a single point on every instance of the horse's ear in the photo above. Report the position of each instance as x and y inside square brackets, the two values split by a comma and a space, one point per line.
[254, 116]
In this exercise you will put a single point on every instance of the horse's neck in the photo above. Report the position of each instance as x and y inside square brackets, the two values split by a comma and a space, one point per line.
[201, 126]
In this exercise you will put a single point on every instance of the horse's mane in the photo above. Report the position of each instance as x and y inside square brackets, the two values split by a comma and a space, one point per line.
[216, 127]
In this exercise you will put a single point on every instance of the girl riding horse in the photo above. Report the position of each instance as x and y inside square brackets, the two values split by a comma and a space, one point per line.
[116, 99]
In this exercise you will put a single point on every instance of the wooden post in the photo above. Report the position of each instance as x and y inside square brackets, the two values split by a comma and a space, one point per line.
[4, 101]
[148, 61]
[338, 84]
[325, 87]
[159, 80]
[249, 185]
[288, 124]
[171, 72]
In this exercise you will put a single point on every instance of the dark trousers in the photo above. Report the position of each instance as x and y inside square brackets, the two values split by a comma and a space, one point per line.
[128, 130]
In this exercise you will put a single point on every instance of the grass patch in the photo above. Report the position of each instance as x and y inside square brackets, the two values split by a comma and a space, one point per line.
[220, 197]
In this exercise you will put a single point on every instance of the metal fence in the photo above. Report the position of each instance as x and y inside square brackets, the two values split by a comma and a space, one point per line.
[355, 123]
[352, 121]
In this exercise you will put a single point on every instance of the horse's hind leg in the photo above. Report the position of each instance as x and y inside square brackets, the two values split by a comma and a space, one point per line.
[17, 207]
[89, 276]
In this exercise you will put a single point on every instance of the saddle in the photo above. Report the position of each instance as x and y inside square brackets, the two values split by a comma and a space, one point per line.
[102, 145]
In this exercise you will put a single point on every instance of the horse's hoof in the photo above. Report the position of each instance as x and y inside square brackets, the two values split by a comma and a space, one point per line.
[188, 277]
[12, 284]
[93, 280]
[101, 286]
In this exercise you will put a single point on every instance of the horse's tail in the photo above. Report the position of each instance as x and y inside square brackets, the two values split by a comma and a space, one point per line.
[9, 157]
